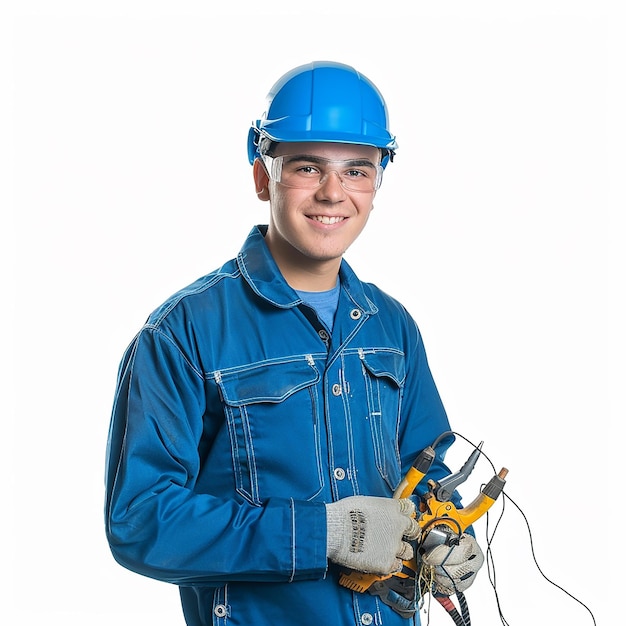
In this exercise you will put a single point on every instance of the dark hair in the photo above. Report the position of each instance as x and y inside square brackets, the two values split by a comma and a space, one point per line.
[266, 146]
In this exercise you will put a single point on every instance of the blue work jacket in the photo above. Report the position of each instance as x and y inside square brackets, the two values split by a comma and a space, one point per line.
[237, 416]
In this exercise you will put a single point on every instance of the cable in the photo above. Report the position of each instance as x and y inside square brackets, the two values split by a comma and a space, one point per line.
[532, 551]
[489, 539]
[447, 604]
[464, 608]
[491, 570]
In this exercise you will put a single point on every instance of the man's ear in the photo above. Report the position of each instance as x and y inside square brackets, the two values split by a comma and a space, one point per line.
[261, 180]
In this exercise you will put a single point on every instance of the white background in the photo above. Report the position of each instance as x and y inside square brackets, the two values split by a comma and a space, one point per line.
[125, 177]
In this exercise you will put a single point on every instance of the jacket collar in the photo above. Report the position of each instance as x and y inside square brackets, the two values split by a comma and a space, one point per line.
[262, 274]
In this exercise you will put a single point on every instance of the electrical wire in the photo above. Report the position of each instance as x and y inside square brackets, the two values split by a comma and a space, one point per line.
[464, 608]
[532, 551]
[424, 584]
[489, 538]
[491, 569]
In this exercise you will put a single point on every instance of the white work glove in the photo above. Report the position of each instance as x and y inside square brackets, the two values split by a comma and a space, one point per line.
[365, 533]
[452, 569]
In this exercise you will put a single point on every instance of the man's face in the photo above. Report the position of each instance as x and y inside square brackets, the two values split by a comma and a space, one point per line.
[312, 227]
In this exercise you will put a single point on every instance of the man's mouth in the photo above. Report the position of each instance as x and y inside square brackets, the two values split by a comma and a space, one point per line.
[325, 219]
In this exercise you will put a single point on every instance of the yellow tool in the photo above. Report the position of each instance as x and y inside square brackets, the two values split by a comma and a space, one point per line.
[414, 476]
[436, 509]
[437, 512]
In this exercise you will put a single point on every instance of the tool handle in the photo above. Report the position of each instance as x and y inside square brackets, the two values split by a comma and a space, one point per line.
[460, 519]
[418, 470]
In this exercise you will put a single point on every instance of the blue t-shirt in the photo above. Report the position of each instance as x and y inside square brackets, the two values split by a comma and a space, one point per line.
[324, 303]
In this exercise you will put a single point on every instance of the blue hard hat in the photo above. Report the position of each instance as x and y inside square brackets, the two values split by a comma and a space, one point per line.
[324, 101]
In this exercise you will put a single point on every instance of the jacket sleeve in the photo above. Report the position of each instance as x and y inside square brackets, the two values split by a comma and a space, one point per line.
[156, 524]
[424, 418]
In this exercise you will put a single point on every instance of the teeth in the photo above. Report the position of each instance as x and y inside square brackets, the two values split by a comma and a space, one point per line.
[327, 220]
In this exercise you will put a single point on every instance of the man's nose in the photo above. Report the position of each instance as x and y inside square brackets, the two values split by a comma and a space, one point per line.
[331, 186]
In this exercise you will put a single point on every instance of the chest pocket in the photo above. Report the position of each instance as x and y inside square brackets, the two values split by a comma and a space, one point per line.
[384, 374]
[271, 409]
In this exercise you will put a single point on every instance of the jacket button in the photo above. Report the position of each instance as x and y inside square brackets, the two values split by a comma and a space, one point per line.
[220, 610]
[355, 314]
[367, 619]
[339, 473]
[336, 389]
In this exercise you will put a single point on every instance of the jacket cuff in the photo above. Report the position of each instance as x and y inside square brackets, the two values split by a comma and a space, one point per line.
[308, 548]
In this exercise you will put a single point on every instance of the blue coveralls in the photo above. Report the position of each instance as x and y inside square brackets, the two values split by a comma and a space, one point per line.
[237, 415]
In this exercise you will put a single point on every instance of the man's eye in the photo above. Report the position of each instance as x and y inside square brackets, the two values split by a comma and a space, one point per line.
[306, 169]
[355, 174]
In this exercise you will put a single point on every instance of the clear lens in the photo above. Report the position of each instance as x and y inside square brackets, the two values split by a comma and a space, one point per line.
[303, 171]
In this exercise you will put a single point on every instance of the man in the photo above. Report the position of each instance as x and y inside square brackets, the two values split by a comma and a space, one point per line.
[265, 414]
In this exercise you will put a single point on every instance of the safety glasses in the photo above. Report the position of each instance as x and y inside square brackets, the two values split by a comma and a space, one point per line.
[303, 171]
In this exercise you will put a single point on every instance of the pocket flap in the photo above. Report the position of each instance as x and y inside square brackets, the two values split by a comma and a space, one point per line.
[385, 364]
[268, 381]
